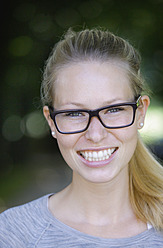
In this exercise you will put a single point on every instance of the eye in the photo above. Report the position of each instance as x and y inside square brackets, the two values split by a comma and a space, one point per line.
[74, 114]
[114, 110]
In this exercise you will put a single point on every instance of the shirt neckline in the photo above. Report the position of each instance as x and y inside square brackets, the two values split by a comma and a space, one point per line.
[74, 232]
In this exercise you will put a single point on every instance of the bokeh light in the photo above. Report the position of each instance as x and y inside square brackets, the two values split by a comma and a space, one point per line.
[11, 128]
[41, 23]
[153, 128]
[34, 125]
[20, 46]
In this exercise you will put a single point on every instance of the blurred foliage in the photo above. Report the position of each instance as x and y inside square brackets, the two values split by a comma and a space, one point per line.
[28, 33]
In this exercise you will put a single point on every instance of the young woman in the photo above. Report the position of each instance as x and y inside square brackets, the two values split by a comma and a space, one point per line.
[94, 101]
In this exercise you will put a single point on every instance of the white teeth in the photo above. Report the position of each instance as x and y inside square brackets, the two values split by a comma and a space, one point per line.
[86, 154]
[90, 154]
[112, 150]
[109, 152]
[100, 154]
[97, 156]
[105, 152]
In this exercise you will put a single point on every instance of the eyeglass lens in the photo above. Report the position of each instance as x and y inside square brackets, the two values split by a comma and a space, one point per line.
[74, 121]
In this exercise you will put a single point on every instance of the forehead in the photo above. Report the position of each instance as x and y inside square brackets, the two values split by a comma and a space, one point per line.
[91, 82]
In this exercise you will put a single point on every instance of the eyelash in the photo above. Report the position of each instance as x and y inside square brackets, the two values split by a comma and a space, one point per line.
[73, 114]
[115, 110]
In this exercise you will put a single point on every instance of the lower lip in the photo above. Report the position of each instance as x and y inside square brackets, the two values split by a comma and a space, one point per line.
[98, 164]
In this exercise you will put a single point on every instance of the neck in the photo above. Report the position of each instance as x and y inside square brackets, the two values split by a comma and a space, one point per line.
[94, 201]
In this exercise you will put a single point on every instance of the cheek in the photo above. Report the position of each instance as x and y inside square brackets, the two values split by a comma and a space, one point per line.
[128, 140]
[128, 134]
[66, 142]
[64, 145]
[62, 141]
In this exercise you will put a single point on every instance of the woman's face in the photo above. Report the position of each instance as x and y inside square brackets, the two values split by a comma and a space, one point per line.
[92, 85]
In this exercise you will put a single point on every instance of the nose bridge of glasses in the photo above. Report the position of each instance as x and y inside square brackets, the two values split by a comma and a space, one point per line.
[95, 114]
[95, 128]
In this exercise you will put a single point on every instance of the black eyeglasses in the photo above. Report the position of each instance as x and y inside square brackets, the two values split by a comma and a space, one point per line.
[112, 117]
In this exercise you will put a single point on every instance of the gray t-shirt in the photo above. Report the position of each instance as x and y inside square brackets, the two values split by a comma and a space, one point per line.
[33, 226]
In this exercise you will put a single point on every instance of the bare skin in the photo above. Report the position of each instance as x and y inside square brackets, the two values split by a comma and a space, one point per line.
[97, 201]
[99, 211]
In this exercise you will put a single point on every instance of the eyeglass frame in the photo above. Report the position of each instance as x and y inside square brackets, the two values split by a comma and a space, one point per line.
[95, 113]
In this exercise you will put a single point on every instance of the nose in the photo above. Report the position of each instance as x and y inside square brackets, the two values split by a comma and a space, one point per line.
[96, 132]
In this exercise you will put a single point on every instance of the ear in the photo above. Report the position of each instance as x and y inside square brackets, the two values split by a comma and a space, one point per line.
[142, 109]
[49, 120]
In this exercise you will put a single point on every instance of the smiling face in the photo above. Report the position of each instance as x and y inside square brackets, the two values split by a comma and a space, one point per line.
[98, 154]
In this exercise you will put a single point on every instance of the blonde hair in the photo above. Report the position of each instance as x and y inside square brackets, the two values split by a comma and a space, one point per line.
[145, 173]
[88, 45]
[146, 186]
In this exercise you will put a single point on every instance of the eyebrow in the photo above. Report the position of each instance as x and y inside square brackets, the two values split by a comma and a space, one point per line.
[82, 105]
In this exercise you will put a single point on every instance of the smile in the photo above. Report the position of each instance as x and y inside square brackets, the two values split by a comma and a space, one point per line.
[96, 156]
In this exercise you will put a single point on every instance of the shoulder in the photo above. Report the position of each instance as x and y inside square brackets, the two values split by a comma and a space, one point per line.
[156, 238]
[20, 223]
[152, 238]
[24, 213]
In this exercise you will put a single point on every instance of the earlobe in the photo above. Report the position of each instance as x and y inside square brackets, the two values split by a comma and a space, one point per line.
[140, 125]
[53, 134]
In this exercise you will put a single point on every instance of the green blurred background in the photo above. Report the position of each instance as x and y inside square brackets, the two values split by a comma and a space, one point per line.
[30, 163]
